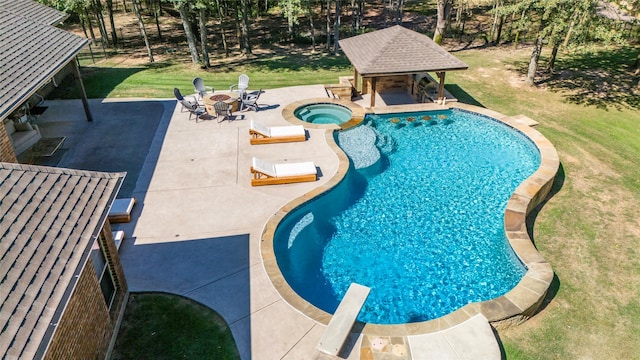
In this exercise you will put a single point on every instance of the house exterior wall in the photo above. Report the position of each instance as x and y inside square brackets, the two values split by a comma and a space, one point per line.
[87, 326]
[7, 154]
[85, 329]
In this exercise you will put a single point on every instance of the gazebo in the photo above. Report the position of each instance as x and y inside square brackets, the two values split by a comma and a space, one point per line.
[397, 58]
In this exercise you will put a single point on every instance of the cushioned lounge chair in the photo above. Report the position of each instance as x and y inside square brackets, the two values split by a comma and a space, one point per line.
[120, 211]
[261, 134]
[266, 173]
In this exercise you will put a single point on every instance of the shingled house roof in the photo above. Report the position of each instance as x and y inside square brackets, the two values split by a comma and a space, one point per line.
[34, 11]
[397, 50]
[49, 219]
[31, 53]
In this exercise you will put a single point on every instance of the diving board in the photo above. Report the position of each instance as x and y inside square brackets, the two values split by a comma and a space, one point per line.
[342, 321]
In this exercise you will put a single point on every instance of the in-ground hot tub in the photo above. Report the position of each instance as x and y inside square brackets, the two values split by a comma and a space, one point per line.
[324, 113]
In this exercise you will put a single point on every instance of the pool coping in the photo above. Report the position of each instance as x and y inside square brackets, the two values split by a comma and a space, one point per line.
[514, 307]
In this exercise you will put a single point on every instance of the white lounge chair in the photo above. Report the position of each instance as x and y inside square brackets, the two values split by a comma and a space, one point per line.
[266, 173]
[120, 211]
[261, 134]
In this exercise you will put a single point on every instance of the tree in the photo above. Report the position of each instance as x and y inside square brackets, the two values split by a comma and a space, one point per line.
[202, 22]
[186, 24]
[143, 31]
[444, 8]
[244, 27]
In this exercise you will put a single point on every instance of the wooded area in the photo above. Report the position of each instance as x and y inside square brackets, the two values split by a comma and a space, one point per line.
[231, 26]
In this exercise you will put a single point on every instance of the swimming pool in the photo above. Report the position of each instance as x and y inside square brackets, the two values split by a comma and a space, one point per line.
[388, 226]
[323, 113]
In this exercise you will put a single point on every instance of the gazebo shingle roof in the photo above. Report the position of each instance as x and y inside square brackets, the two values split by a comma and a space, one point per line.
[34, 11]
[397, 50]
[31, 53]
[49, 219]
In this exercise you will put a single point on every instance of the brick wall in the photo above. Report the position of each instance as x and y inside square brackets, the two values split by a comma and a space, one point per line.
[7, 154]
[86, 328]
[113, 259]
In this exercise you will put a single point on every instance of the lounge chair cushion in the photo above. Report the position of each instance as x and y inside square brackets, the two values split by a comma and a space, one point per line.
[282, 131]
[121, 210]
[283, 170]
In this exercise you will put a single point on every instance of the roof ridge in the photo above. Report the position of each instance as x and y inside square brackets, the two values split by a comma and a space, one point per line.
[61, 170]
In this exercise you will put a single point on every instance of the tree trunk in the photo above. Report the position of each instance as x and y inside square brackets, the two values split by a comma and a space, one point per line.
[88, 17]
[124, 5]
[290, 18]
[143, 31]
[84, 26]
[535, 56]
[114, 36]
[157, 9]
[244, 27]
[191, 39]
[500, 25]
[313, 29]
[336, 28]
[97, 10]
[444, 8]
[203, 37]
[222, 33]
[552, 59]
[328, 24]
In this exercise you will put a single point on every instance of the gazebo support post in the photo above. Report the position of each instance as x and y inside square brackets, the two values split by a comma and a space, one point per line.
[373, 92]
[355, 79]
[83, 93]
[440, 84]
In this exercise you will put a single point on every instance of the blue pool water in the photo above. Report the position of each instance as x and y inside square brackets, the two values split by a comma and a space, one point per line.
[418, 218]
[323, 113]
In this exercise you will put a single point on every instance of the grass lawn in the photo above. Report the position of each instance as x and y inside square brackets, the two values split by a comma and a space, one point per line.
[162, 326]
[588, 230]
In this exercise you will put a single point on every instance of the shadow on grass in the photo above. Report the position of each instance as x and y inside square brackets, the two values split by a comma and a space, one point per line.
[461, 95]
[601, 78]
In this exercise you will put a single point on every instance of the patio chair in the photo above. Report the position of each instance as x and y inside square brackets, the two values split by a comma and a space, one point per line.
[261, 134]
[193, 108]
[266, 173]
[242, 85]
[250, 101]
[200, 88]
[224, 109]
[182, 99]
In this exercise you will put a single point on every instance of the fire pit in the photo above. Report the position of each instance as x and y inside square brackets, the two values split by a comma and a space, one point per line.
[220, 97]
[230, 98]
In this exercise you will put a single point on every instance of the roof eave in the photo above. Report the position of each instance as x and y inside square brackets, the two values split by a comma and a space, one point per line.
[409, 72]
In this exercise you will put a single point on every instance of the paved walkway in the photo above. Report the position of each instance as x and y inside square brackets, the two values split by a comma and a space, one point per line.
[197, 225]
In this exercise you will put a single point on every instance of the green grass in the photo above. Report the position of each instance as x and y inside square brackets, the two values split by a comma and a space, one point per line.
[162, 326]
[157, 80]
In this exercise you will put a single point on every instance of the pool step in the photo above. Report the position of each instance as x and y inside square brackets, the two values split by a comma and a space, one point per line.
[342, 321]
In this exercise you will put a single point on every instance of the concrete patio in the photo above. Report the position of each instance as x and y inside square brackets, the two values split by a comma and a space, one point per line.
[196, 228]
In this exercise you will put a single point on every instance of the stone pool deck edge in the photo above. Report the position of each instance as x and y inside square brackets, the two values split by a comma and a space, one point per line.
[516, 306]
